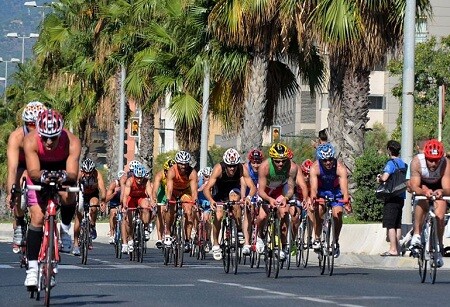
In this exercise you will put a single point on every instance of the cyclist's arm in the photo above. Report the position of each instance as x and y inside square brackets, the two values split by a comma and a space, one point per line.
[247, 182]
[156, 185]
[263, 172]
[111, 191]
[126, 191]
[193, 182]
[446, 179]
[30, 148]
[341, 171]
[72, 162]
[416, 179]
[169, 182]
[291, 181]
[12, 154]
[148, 190]
[216, 173]
[101, 187]
[314, 179]
[301, 183]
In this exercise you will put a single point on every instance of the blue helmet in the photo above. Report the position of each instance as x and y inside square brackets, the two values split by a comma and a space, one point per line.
[139, 171]
[325, 151]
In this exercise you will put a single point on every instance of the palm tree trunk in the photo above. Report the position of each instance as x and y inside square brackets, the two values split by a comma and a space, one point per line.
[255, 104]
[146, 140]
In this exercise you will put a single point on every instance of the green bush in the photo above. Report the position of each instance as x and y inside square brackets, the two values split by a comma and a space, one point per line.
[366, 207]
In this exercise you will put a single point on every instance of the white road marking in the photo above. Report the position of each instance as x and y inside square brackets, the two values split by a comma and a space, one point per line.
[145, 285]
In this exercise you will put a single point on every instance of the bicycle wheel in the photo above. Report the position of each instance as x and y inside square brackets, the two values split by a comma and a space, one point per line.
[268, 251]
[434, 250]
[234, 246]
[180, 242]
[291, 246]
[139, 242]
[118, 240]
[84, 240]
[323, 253]
[226, 243]
[48, 266]
[331, 246]
[303, 243]
[277, 247]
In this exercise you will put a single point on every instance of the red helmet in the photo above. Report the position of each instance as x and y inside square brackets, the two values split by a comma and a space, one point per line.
[306, 166]
[255, 156]
[433, 149]
[49, 123]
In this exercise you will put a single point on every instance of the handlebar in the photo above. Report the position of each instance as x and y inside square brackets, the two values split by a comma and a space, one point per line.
[323, 201]
[422, 197]
[35, 187]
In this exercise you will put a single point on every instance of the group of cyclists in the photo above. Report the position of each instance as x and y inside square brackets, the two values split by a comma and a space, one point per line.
[43, 148]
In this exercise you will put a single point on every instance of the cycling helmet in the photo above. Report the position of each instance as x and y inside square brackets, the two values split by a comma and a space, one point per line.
[279, 151]
[88, 165]
[255, 156]
[433, 149]
[183, 157]
[306, 166]
[231, 157]
[133, 164]
[205, 171]
[120, 174]
[168, 164]
[325, 151]
[139, 171]
[49, 123]
[32, 110]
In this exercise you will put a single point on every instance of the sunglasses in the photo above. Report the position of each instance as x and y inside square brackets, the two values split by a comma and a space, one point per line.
[46, 138]
[30, 124]
[433, 160]
[232, 165]
[328, 160]
[279, 161]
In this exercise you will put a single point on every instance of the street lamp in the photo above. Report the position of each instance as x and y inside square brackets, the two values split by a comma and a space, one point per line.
[15, 35]
[34, 4]
[12, 60]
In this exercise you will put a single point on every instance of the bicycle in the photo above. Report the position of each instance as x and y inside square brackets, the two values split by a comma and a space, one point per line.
[85, 239]
[303, 242]
[118, 234]
[229, 241]
[255, 258]
[328, 236]
[138, 236]
[273, 246]
[428, 252]
[176, 249]
[49, 253]
[201, 237]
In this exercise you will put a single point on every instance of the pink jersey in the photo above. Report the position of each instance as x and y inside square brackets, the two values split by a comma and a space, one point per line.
[54, 160]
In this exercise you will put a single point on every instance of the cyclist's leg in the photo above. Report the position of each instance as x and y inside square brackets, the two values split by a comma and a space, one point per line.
[93, 211]
[112, 222]
[440, 208]
[19, 215]
[146, 215]
[419, 215]
[67, 210]
[218, 215]
[189, 218]
[247, 227]
[295, 213]
[76, 232]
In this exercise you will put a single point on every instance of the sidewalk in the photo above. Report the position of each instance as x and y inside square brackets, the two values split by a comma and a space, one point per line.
[361, 245]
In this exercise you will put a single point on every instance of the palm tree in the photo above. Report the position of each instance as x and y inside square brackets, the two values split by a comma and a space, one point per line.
[357, 35]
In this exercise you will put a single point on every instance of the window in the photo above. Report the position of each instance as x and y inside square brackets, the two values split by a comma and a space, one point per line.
[377, 103]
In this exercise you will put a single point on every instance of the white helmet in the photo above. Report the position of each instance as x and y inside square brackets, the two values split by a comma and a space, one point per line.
[183, 157]
[32, 110]
[231, 157]
[133, 164]
[120, 174]
[205, 172]
[87, 166]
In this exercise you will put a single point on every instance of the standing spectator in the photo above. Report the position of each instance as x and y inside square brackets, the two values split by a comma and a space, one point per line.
[321, 139]
[393, 206]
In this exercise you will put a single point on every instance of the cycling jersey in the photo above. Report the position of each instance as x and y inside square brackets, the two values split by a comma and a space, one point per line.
[161, 194]
[89, 182]
[115, 201]
[225, 184]
[277, 180]
[137, 193]
[55, 159]
[431, 179]
[181, 183]
[329, 183]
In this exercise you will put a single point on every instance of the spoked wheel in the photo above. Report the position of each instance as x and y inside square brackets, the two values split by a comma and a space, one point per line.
[84, 241]
[234, 247]
[48, 267]
[118, 242]
[276, 238]
[422, 262]
[139, 242]
[180, 243]
[226, 245]
[268, 251]
[434, 251]
[290, 244]
[303, 244]
[331, 246]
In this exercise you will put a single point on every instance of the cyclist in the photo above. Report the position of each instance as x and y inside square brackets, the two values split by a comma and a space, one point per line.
[49, 148]
[93, 189]
[159, 195]
[328, 177]
[113, 199]
[430, 176]
[276, 180]
[182, 181]
[203, 178]
[137, 193]
[16, 167]
[255, 158]
[226, 177]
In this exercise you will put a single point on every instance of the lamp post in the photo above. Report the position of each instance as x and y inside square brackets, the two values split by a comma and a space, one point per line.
[23, 37]
[12, 60]
[34, 4]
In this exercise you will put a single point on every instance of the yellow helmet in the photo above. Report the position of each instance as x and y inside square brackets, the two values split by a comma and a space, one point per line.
[168, 164]
[279, 151]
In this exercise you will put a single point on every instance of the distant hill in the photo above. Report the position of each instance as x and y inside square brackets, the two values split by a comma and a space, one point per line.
[16, 17]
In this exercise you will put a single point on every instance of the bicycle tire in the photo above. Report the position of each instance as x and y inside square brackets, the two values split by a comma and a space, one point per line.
[323, 248]
[23, 196]
[226, 257]
[268, 251]
[84, 240]
[234, 247]
[139, 242]
[48, 267]
[434, 250]
[278, 246]
[303, 243]
[290, 243]
[118, 240]
[180, 242]
[331, 246]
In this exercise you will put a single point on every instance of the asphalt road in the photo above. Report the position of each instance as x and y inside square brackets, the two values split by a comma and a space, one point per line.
[106, 280]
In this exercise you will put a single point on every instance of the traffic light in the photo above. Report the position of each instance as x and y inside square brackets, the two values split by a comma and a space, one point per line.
[276, 134]
[135, 126]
